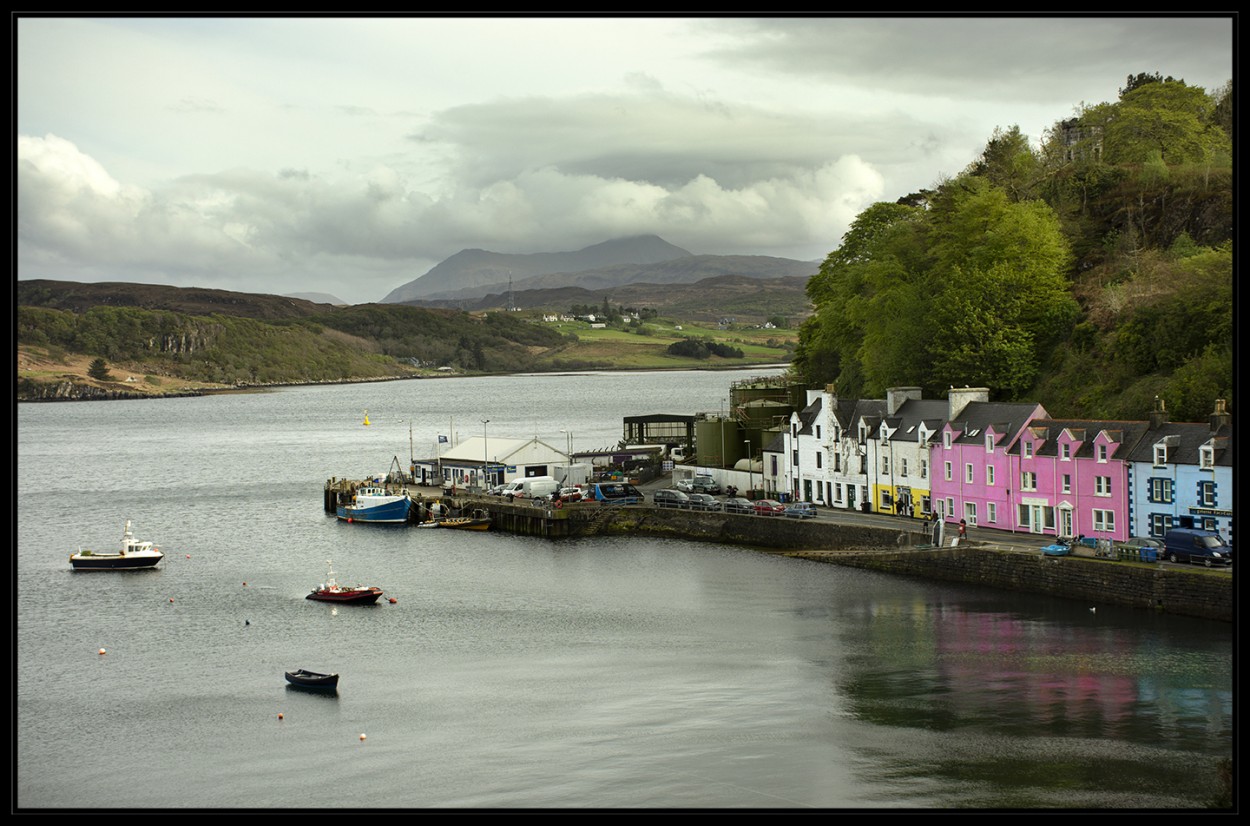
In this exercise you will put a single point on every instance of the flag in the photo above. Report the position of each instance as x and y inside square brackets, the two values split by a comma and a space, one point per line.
[442, 439]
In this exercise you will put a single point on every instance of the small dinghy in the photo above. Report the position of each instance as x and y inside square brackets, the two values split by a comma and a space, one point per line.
[304, 678]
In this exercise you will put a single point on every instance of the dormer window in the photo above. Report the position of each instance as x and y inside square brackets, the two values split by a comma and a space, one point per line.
[1102, 453]
[1065, 452]
[1161, 454]
[946, 440]
[1206, 457]
[1028, 450]
[989, 442]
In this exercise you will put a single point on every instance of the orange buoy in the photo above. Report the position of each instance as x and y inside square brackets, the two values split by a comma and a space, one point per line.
[280, 715]
[244, 584]
[393, 600]
[171, 599]
[102, 652]
[362, 738]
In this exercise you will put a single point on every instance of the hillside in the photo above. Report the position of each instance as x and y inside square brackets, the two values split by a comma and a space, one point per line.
[475, 268]
[79, 298]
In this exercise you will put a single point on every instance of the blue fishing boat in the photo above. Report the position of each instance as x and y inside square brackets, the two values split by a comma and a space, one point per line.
[376, 504]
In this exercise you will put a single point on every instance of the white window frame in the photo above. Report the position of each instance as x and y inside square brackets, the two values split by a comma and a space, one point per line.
[991, 512]
[1065, 452]
[946, 440]
[924, 468]
[969, 473]
[1028, 450]
[1206, 457]
[1104, 520]
[1102, 454]
[1028, 480]
[1102, 485]
[989, 476]
[1066, 483]
[1161, 455]
[949, 471]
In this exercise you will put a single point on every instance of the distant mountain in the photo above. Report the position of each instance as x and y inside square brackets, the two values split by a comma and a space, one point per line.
[319, 298]
[468, 270]
[748, 300]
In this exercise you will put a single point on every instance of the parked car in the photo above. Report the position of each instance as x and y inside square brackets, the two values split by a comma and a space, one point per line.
[769, 507]
[1195, 545]
[495, 490]
[685, 485]
[1137, 542]
[670, 498]
[703, 502]
[571, 494]
[706, 484]
[736, 504]
[801, 510]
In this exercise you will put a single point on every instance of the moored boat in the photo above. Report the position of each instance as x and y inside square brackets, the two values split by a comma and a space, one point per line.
[304, 678]
[332, 591]
[133, 555]
[376, 504]
[466, 523]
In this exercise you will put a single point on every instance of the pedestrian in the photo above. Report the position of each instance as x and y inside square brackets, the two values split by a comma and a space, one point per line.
[963, 528]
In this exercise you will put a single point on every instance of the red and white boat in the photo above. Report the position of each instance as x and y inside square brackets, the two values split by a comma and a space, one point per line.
[332, 591]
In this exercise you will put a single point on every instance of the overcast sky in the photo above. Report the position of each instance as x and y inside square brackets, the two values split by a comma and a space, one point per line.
[348, 156]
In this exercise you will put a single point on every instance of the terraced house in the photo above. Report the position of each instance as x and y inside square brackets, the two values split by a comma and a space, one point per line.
[1074, 478]
[1181, 475]
[974, 478]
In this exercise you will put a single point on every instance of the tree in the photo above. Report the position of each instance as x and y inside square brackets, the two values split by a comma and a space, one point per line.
[1168, 117]
[99, 370]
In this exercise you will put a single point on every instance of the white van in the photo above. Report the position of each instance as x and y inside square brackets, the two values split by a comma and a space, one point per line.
[535, 487]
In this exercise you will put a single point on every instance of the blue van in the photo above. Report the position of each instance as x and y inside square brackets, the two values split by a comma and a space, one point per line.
[613, 493]
[1195, 545]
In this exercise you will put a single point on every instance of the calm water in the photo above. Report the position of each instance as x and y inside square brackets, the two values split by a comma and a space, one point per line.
[517, 672]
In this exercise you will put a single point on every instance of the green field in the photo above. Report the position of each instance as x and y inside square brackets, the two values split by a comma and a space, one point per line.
[623, 348]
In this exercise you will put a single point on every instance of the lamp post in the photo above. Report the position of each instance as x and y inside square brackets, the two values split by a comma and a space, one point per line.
[750, 472]
[484, 453]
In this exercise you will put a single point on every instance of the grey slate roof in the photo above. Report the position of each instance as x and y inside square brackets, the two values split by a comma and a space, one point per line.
[1125, 433]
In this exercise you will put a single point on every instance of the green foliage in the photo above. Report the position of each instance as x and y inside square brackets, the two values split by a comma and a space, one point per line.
[702, 349]
[99, 370]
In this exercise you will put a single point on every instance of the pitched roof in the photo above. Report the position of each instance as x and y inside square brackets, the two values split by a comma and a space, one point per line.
[1124, 433]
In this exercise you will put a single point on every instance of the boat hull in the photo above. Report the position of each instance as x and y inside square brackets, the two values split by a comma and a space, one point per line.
[113, 562]
[311, 679]
[366, 597]
[466, 524]
[386, 512]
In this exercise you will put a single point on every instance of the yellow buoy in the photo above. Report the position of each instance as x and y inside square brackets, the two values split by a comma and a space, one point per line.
[366, 418]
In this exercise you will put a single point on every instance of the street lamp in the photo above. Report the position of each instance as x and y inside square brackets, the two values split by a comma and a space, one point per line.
[484, 453]
[750, 472]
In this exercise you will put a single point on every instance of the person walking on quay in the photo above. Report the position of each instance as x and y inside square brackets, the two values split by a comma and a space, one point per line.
[963, 529]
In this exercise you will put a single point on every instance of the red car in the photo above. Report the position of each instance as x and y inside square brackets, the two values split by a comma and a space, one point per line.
[769, 507]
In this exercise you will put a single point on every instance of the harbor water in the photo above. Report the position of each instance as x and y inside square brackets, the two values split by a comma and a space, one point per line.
[517, 672]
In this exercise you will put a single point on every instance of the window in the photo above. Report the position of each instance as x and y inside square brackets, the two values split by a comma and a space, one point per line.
[1206, 457]
[1065, 451]
[1159, 490]
[819, 459]
[1028, 450]
[1028, 480]
[817, 431]
[1102, 453]
[948, 471]
[885, 465]
[989, 476]
[991, 512]
[970, 512]
[773, 460]
[968, 473]
[1102, 485]
[1067, 483]
[794, 457]
[1104, 521]
[950, 505]
[1161, 454]
[924, 468]
[1160, 523]
[989, 443]
[887, 501]
[946, 440]
[903, 466]
[1206, 494]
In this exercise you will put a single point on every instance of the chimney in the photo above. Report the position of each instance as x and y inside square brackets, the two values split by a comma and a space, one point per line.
[960, 397]
[895, 396]
[1158, 416]
[1220, 417]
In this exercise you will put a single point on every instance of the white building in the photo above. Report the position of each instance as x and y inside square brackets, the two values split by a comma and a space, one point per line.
[483, 461]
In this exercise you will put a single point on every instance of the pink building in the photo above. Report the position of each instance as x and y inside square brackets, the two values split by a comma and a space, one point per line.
[972, 470]
[1073, 477]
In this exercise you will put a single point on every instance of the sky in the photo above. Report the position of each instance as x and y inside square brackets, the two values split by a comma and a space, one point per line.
[348, 156]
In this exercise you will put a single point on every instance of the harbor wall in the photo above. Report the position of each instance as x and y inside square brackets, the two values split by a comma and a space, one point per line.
[1185, 591]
